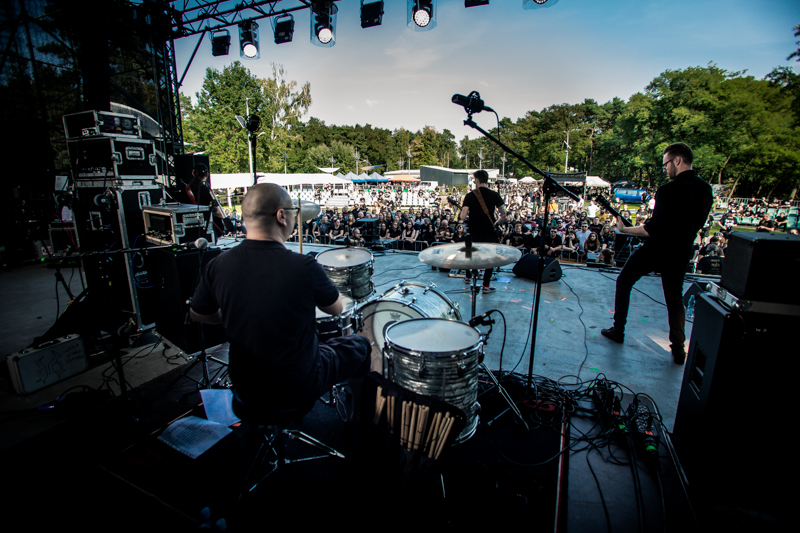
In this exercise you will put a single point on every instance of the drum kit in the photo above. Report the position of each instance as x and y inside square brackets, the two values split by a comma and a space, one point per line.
[417, 336]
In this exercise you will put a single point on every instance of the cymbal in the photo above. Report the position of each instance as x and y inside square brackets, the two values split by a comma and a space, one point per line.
[480, 255]
[308, 210]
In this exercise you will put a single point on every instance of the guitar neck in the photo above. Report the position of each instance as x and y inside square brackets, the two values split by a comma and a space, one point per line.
[607, 205]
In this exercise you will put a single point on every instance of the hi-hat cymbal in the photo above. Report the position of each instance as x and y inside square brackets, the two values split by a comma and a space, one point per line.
[479, 255]
[308, 210]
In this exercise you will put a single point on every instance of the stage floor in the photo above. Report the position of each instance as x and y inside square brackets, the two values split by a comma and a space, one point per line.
[569, 350]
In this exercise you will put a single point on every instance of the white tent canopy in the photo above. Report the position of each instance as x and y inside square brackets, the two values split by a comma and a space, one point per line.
[596, 181]
[231, 181]
[287, 180]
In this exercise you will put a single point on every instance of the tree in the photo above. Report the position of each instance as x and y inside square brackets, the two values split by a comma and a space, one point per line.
[211, 124]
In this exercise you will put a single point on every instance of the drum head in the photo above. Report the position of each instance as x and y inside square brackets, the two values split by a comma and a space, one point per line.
[344, 257]
[432, 335]
[346, 301]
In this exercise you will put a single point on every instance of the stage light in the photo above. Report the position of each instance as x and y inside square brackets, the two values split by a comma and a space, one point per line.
[371, 14]
[253, 123]
[220, 43]
[421, 14]
[284, 29]
[248, 40]
[473, 3]
[536, 4]
[323, 23]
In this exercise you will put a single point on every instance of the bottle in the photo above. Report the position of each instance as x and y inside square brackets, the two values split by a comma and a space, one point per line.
[690, 307]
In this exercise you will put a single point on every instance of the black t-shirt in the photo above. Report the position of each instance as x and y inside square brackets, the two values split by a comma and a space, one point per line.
[710, 264]
[268, 296]
[480, 226]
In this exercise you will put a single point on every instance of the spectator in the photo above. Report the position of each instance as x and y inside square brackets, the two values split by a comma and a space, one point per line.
[711, 263]
[409, 236]
[552, 243]
[592, 244]
[583, 234]
[766, 225]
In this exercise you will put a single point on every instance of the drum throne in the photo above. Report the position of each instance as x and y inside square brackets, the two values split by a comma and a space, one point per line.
[272, 434]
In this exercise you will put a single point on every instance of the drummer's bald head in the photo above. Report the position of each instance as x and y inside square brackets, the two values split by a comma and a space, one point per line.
[262, 202]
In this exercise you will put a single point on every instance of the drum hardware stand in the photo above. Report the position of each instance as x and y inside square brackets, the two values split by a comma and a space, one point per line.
[550, 186]
[484, 320]
[203, 358]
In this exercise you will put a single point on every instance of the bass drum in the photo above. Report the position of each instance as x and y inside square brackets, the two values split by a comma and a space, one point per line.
[404, 301]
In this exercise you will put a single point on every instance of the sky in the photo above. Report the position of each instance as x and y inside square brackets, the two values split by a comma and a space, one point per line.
[518, 60]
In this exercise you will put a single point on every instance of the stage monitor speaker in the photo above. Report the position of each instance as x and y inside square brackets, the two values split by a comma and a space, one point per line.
[732, 408]
[528, 266]
[368, 226]
[762, 267]
[177, 273]
[695, 289]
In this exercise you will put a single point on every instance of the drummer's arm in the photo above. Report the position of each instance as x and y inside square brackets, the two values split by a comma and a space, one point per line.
[335, 308]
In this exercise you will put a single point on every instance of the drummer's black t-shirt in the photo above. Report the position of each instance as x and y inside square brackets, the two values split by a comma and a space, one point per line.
[268, 297]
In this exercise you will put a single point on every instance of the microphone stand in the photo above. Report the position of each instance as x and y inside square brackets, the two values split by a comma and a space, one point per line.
[550, 187]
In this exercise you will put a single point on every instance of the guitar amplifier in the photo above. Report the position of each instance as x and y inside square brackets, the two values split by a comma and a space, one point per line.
[762, 267]
[35, 368]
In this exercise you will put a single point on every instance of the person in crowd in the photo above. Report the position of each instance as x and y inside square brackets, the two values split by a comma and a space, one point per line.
[445, 233]
[592, 244]
[570, 241]
[460, 234]
[711, 262]
[409, 236]
[583, 234]
[552, 243]
[356, 239]
[337, 231]
[767, 225]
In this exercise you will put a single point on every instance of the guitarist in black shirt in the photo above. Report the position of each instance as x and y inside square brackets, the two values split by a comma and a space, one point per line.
[682, 206]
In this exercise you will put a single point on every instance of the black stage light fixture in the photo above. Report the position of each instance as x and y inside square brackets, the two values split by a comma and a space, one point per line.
[248, 40]
[220, 43]
[323, 23]
[371, 14]
[536, 4]
[253, 123]
[284, 29]
[474, 3]
[421, 14]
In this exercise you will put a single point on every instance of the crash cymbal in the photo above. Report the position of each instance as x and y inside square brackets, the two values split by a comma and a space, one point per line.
[479, 255]
[308, 210]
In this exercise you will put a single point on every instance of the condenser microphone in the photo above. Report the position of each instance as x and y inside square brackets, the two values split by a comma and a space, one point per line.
[472, 103]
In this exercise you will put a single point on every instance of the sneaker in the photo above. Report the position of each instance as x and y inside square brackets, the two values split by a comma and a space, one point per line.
[489, 289]
[679, 355]
[613, 334]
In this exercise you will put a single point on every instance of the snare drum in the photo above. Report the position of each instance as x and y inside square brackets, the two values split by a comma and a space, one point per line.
[402, 302]
[346, 323]
[350, 269]
[439, 358]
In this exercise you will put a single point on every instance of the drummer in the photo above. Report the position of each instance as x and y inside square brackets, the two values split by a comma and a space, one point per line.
[480, 205]
[265, 297]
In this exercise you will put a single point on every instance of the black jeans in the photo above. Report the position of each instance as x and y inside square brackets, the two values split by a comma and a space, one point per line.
[639, 264]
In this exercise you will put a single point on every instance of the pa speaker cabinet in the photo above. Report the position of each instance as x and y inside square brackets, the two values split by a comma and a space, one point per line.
[528, 266]
[177, 273]
[762, 267]
[733, 405]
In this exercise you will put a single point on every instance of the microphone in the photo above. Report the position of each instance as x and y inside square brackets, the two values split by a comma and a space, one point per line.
[472, 103]
[199, 244]
[481, 320]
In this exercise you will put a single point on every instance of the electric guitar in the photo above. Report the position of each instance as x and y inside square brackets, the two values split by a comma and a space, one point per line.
[600, 199]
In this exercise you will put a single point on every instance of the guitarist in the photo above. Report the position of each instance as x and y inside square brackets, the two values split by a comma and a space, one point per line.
[480, 205]
[682, 205]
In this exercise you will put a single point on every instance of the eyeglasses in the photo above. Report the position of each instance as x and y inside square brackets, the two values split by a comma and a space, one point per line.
[665, 165]
[286, 209]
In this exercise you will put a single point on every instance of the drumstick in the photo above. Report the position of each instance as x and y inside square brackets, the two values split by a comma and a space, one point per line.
[412, 427]
[441, 437]
[421, 424]
[378, 411]
[444, 437]
[432, 432]
[437, 431]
